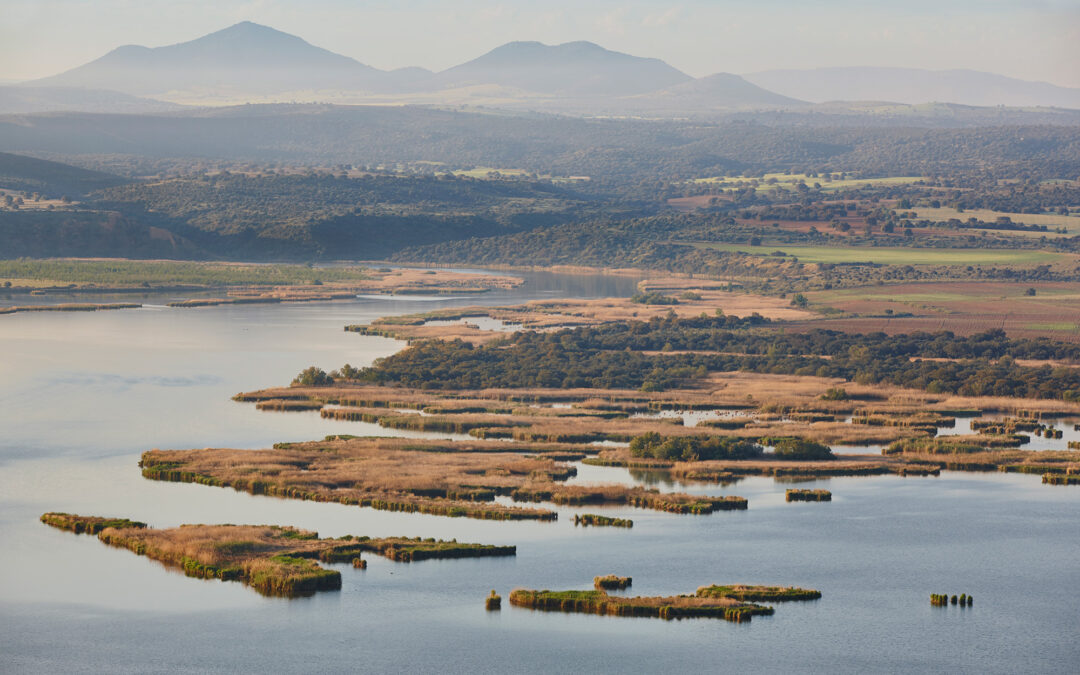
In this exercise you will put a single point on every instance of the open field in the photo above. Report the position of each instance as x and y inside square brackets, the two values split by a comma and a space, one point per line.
[898, 256]
[136, 273]
[961, 307]
[1070, 222]
[271, 559]
[788, 181]
[693, 296]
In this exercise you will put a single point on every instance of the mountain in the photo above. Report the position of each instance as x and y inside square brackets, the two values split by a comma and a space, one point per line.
[29, 99]
[53, 179]
[241, 60]
[572, 69]
[911, 85]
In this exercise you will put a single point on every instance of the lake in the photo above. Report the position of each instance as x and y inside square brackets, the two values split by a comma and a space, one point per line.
[86, 393]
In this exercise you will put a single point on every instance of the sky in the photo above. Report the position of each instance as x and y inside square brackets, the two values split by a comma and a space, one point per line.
[1029, 39]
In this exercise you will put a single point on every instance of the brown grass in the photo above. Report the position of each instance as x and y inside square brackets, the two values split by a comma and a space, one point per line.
[409, 475]
[274, 560]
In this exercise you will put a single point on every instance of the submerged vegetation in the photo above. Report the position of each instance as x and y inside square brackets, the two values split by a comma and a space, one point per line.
[943, 600]
[271, 559]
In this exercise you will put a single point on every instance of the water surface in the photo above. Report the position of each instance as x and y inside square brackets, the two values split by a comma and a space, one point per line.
[85, 394]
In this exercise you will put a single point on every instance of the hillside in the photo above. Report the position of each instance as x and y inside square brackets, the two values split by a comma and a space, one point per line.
[720, 91]
[912, 85]
[51, 179]
[33, 99]
[612, 150]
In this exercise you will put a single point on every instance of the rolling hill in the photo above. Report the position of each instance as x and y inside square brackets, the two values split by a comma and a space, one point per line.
[53, 179]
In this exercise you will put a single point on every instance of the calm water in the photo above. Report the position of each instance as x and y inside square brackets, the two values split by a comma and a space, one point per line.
[84, 394]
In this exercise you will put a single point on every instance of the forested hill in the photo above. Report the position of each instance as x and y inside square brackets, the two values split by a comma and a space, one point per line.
[51, 179]
[605, 150]
[299, 216]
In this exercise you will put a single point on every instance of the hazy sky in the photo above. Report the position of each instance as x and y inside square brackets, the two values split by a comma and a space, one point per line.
[1032, 39]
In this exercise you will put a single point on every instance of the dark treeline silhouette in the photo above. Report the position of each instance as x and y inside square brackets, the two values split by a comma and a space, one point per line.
[611, 356]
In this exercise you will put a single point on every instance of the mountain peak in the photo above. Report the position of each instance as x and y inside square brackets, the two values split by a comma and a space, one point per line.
[245, 57]
[581, 69]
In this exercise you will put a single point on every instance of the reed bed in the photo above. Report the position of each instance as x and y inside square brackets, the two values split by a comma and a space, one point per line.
[759, 593]
[287, 405]
[493, 602]
[271, 559]
[808, 496]
[263, 557]
[1061, 479]
[386, 474]
[405, 549]
[69, 307]
[612, 582]
[952, 445]
[576, 495]
[672, 607]
[87, 524]
[586, 519]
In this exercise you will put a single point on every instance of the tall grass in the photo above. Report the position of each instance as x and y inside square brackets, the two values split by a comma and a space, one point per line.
[672, 607]
[759, 593]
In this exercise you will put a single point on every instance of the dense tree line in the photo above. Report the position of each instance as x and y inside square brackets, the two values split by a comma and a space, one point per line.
[304, 216]
[611, 356]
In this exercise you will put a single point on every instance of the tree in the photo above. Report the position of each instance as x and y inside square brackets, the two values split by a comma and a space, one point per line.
[313, 376]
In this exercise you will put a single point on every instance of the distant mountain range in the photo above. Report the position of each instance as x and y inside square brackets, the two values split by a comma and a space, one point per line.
[248, 62]
[912, 85]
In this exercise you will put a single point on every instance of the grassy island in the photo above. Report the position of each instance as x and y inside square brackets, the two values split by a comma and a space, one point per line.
[759, 593]
[399, 474]
[673, 607]
[271, 559]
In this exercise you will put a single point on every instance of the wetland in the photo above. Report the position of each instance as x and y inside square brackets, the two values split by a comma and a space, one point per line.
[129, 372]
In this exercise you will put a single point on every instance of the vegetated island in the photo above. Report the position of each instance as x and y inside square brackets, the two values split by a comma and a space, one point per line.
[457, 479]
[611, 582]
[273, 560]
[731, 603]
[808, 496]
